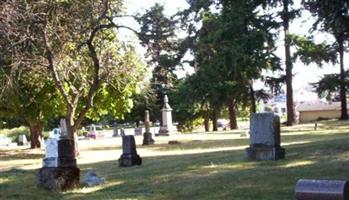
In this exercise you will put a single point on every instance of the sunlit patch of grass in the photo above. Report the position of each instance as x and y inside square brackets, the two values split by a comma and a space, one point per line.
[86, 189]
[298, 164]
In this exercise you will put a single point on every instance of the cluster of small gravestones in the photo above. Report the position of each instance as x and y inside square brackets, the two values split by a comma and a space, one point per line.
[60, 171]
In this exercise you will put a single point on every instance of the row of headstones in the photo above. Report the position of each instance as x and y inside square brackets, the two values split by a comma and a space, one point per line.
[264, 145]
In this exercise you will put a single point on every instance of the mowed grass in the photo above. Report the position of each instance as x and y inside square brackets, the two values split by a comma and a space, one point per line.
[203, 166]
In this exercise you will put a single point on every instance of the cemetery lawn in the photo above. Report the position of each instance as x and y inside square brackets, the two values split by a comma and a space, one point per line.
[204, 166]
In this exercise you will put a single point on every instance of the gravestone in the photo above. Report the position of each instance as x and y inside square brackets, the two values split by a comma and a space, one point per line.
[307, 189]
[122, 132]
[265, 137]
[91, 179]
[56, 133]
[138, 131]
[22, 140]
[147, 136]
[129, 155]
[167, 125]
[115, 132]
[59, 171]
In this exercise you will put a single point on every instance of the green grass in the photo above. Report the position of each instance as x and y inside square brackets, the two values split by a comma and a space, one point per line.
[204, 174]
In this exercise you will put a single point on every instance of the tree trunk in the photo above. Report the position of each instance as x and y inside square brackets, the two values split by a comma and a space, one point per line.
[232, 115]
[207, 124]
[288, 66]
[343, 95]
[253, 100]
[214, 121]
[71, 130]
[35, 134]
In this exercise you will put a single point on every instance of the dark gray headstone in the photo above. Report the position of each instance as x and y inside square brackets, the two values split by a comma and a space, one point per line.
[129, 155]
[307, 189]
[265, 137]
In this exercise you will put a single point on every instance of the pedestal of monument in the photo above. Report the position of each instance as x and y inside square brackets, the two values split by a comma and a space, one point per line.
[265, 138]
[260, 152]
[59, 171]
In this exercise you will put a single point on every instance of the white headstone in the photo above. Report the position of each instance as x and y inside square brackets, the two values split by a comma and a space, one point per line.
[22, 140]
[51, 145]
[55, 133]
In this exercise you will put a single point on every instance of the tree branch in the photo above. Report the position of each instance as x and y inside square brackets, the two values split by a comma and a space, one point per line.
[53, 70]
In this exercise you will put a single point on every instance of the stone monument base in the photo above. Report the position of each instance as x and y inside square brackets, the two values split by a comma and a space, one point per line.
[129, 160]
[147, 139]
[265, 153]
[163, 132]
[58, 179]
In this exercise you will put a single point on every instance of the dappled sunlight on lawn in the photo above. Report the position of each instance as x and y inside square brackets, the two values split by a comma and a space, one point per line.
[298, 164]
[238, 166]
[86, 190]
[203, 166]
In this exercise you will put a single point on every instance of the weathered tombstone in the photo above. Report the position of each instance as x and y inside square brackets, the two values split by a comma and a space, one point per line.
[129, 155]
[167, 125]
[59, 171]
[265, 137]
[147, 136]
[115, 131]
[321, 190]
[138, 131]
[22, 140]
[122, 132]
[56, 133]
[91, 179]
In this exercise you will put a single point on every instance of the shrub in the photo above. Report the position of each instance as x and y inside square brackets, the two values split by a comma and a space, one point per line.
[14, 133]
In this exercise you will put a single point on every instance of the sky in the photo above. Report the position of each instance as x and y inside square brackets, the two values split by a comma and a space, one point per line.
[303, 75]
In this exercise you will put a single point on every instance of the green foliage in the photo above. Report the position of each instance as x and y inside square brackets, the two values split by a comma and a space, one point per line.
[308, 52]
[14, 133]
[329, 85]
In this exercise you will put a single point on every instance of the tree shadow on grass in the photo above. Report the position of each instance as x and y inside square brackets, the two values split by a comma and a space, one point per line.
[19, 154]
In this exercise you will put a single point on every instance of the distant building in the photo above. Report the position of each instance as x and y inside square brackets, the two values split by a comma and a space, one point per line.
[312, 111]
[276, 104]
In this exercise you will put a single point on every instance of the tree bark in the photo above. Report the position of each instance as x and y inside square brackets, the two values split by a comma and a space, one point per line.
[214, 121]
[253, 100]
[288, 66]
[343, 95]
[207, 124]
[35, 128]
[232, 115]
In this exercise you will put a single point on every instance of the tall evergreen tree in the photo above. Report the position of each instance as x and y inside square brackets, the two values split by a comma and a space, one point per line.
[332, 16]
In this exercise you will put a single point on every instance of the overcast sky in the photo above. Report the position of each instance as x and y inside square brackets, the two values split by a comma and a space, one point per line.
[303, 74]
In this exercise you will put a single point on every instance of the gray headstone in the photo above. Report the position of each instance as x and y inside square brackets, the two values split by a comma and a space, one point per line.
[265, 129]
[129, 155]
[115, 132]
[147, 136]
[265, 137]
[138, 131]
[91, 179]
